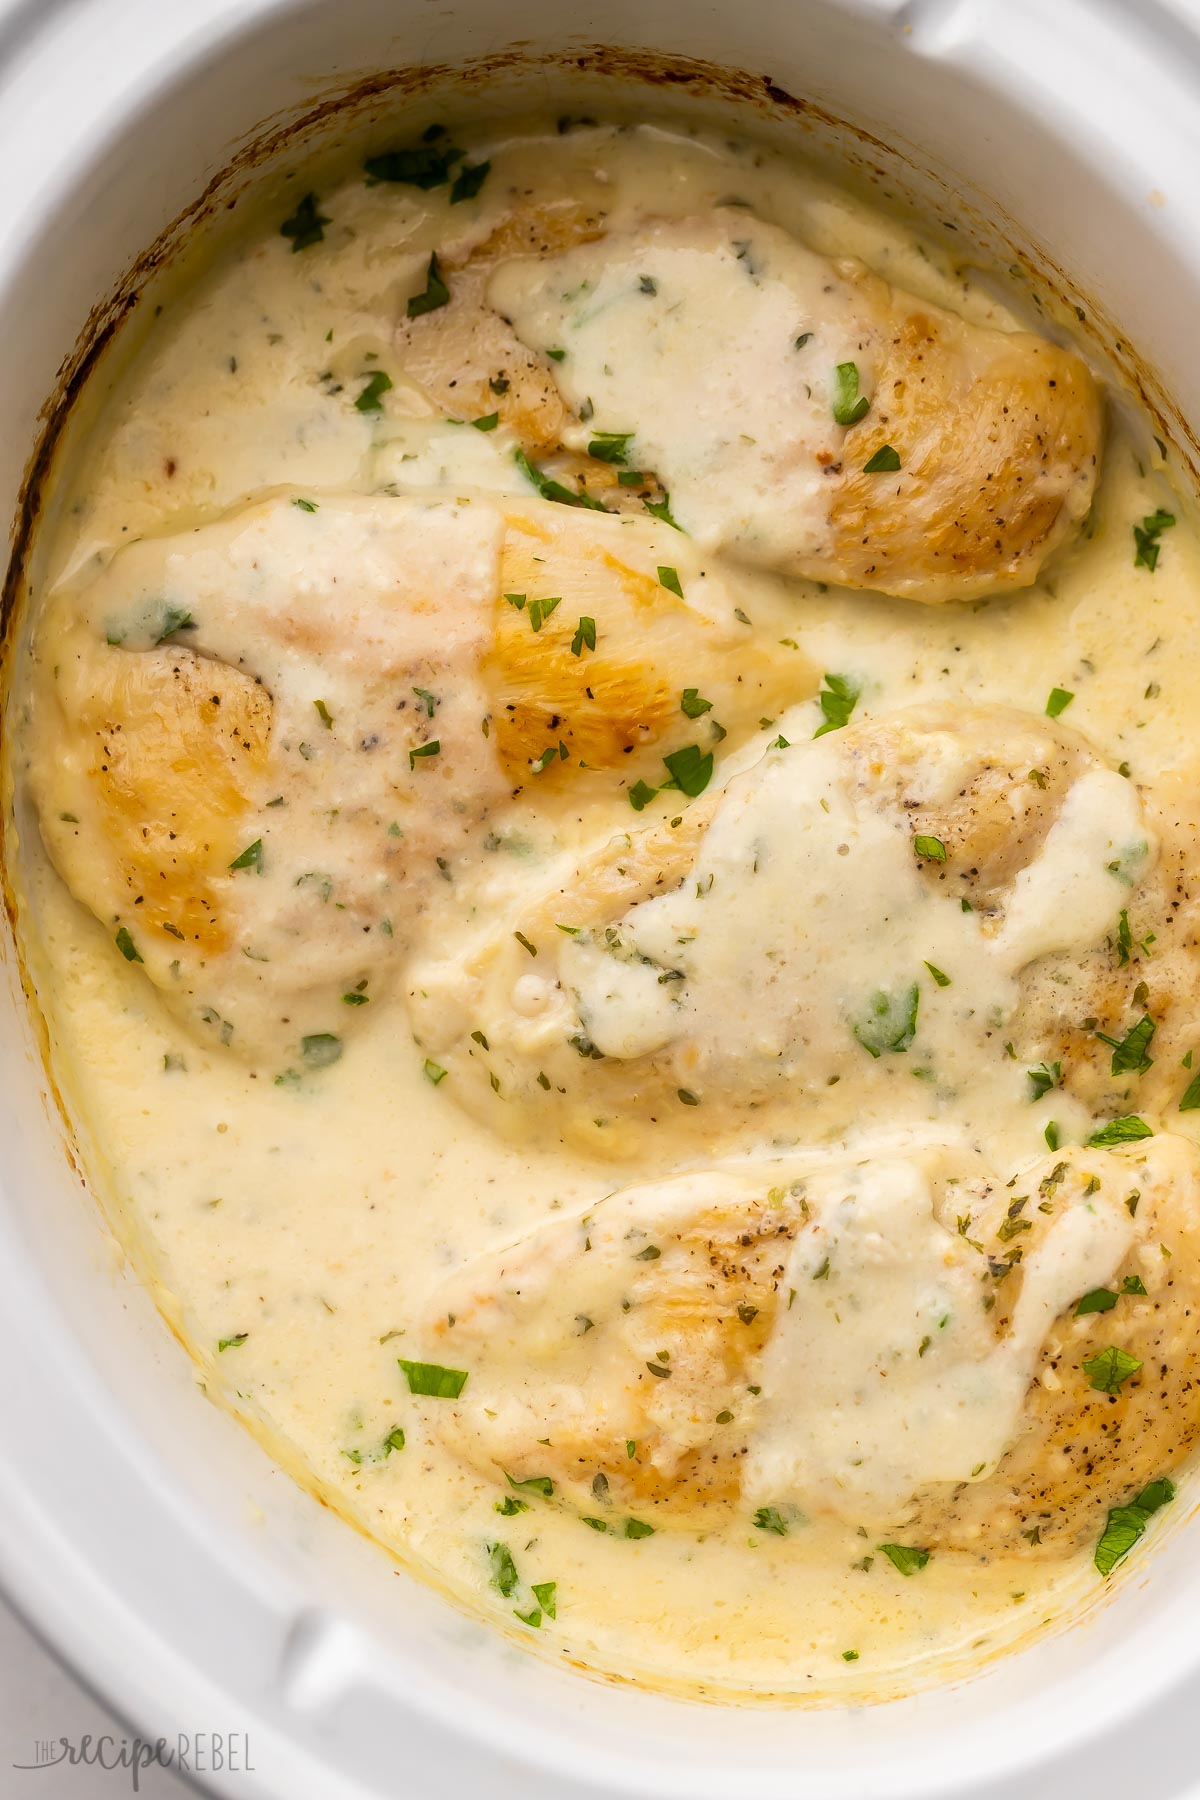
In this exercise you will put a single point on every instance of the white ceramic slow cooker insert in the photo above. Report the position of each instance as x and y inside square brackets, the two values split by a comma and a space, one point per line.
[141, 1530]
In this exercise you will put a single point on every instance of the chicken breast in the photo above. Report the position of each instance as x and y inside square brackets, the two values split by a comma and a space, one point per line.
[848, 913]
[1115, 1400]
[259, 745]
[804, 416]
[830, 1336]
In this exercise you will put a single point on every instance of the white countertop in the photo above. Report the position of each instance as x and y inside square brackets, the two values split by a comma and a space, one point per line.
[41, 1704]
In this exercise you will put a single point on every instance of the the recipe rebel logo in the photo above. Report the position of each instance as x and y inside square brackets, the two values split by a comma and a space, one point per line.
[198, 1753]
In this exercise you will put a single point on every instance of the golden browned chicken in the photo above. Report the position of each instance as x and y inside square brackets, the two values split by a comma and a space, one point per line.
[902, 1342]
[803, 415]
[1115, 1398]
[847, 914]
[260, 744]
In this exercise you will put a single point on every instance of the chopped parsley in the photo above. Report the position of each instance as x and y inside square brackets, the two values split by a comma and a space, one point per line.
[1126, 1524]
[891, 1021]
[611, 447]
[1191, 1095]
[434, 1072]
[942, 979]
[1133, 1284]
[1109, 1368]
[769, 1518]
[693, 704]
[550, 489]
[308, 506]
[486, 421]
[306, 226]
[370, 399]
[320, 1049]
[1124, 940]
[637, 1528]
[1127, 1130]
[1045, 1076]
[425, 166]
[837, 701]
[468, 181]
[669, 578]
[931, 848]
[884, 462]
[1060, 699]
[250, 858]
[546, 1595]
[848, 404]
[690, 769]
[175, 618]
[585, 636]
[904, 1557]
[1130, 1052]
[233, 1343]
[536, 1484]
[1100, 1300]
[418, 751]
[661, 509]
[436, 292]
[127, 947]
[1146, 536]
[430, 701]
[640, 796]
[540, 610]
[433, 1380]
[504, 1577]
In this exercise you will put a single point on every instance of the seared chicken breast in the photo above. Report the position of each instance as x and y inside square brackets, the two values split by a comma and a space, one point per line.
[751, 1336]
[846, 914]
[801, 414]
[267, 739]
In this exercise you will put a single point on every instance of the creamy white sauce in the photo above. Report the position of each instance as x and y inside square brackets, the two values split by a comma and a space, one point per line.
[884, 1374]
[738, 419]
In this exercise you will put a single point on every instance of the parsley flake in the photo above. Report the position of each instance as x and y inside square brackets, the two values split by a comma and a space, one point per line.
[250, 858]
[837, 701]
[1146, 536]
[370, 399]
[468, 181]
[436, 292]
[432, 1380]
[891, 1021]
[1127, 1130]
[585, 636]
[848, 404]
[306, 226]
[1109, 1368]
